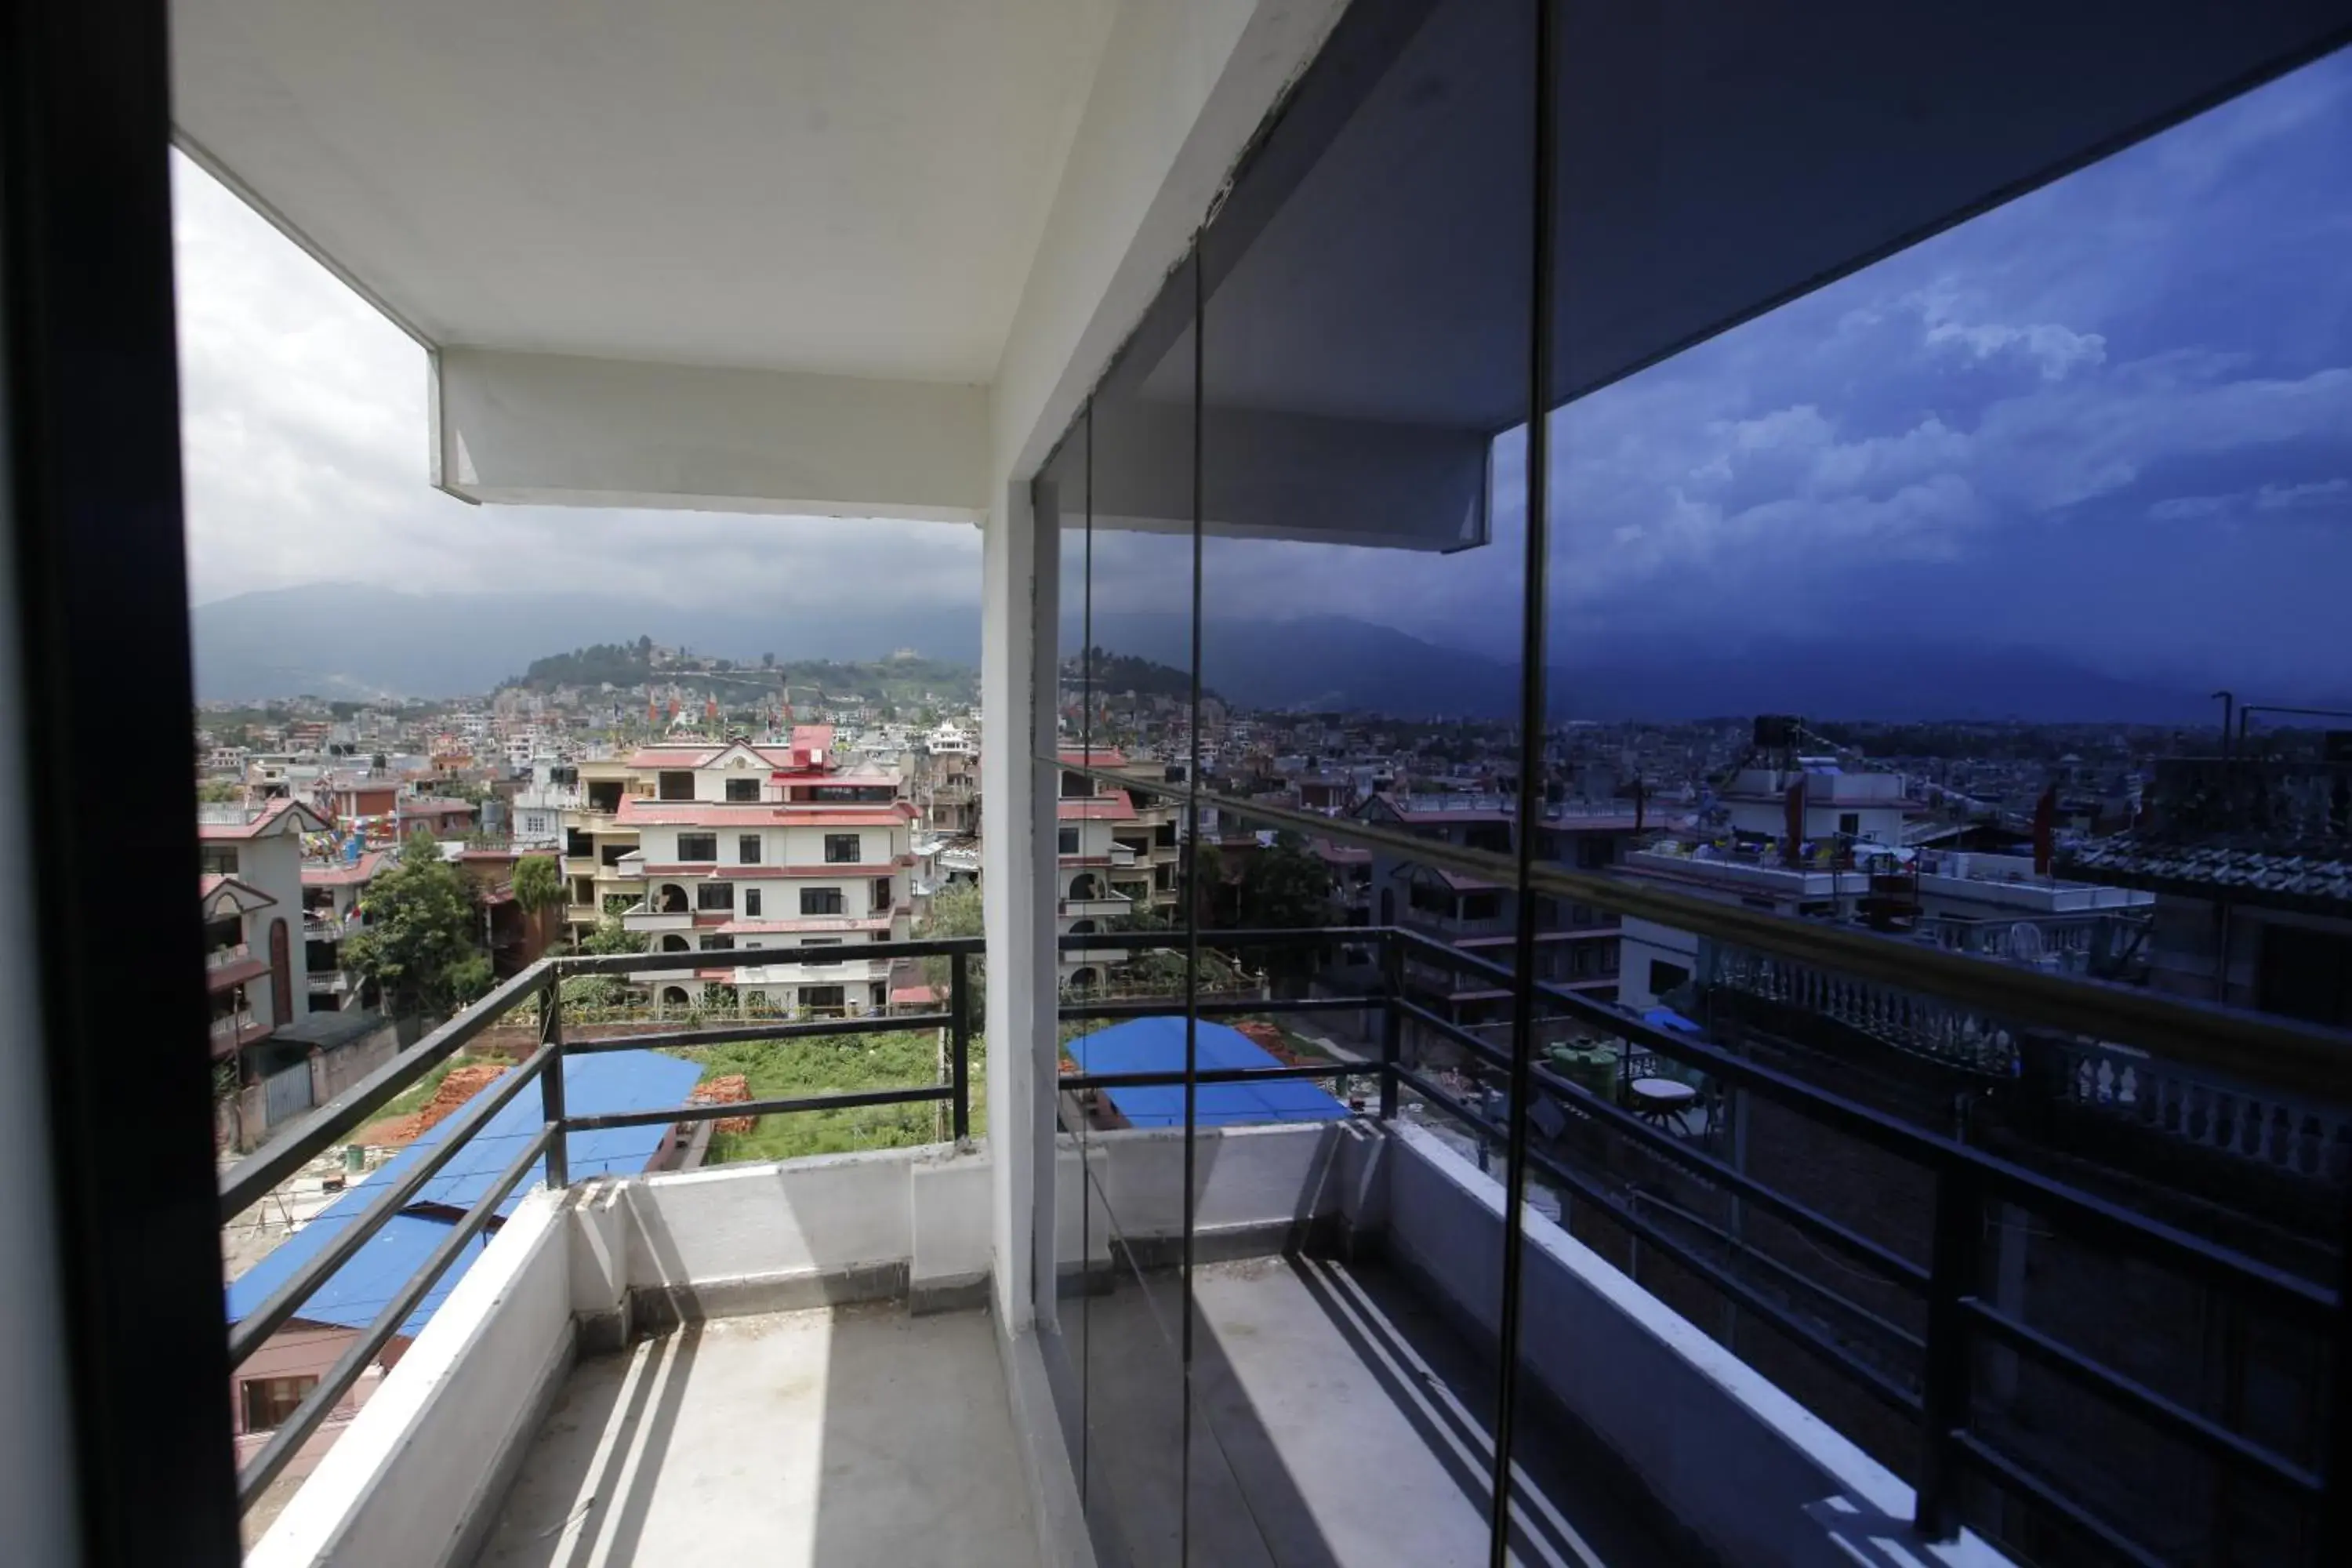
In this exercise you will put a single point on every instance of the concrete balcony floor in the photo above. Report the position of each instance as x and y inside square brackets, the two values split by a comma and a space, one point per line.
[1337, 1420]
[836, 1436]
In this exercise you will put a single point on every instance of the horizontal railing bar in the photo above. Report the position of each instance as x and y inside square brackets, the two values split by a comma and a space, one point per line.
[846, 1100]
[2286, 1053]
[1154, 1007]
[1897, 1268]
[284, 1443]
[1368, 1068]
[247, 1182]
[571, 965]
[2009, 1472]
[2125, 1230]
[1253, 936]
[2175, 1418]
[246, 1334]
[1875, 1322]
[1805, 1335]
[804, 1028]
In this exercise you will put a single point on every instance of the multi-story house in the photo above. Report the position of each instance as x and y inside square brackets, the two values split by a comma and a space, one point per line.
[595, 841]
[330, 912]
[2248, 863]
[260, 852]
[782, 847]
[1810, 839]
[1145, 848]
[946, 780]
[1576, 945]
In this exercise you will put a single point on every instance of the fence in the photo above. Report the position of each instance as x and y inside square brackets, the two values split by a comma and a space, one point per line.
[1940, 1403]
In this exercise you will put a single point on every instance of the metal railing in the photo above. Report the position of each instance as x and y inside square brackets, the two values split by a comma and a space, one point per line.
[254, 1177]
[1940, 1402]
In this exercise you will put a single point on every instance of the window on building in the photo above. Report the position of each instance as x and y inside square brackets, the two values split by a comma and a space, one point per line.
[833, 999]
[1067, 842]
[1495, 836]
[578, 844]
[841, 849]
[1665, 976]
[218, 860]
[1482, 906]
[881, 893]
[719, 943]
[1077, 786]
[1593, 852]
[1850, 823]
[743, 789]
[821, 901]
[715, 896]
[677, 787]
[751, 902]
[604, 795]
[746, 848]
[268, 1401]
[697, 846]
[583, 892]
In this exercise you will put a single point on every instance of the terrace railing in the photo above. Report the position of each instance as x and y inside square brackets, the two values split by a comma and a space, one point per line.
[1937, 1394]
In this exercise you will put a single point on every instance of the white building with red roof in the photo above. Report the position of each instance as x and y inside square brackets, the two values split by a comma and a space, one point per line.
[743, 845]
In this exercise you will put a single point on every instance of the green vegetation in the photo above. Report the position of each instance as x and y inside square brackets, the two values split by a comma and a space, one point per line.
[889, 684]
[956, 912]
[1119, 674]
[419, 946]
[775, 1069]
[537, 884]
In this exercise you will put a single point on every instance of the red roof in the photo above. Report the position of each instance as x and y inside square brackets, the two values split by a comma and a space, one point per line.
[636, 811]
[341, 876]
[1096, 809]
[1093, 757]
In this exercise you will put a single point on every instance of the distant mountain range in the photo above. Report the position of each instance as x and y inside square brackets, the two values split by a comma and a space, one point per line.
[351, 640]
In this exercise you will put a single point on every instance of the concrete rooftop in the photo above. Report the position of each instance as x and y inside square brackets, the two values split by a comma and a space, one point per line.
[838, 1436]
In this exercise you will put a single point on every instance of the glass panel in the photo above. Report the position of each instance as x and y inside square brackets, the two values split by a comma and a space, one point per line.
[1123, 817]
[1364, 382]
[1889, 616]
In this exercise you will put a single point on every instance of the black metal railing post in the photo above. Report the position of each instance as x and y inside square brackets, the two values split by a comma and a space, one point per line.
[1953, 1272]
[1391, 1022]
[551, 1082]
[959, 1041]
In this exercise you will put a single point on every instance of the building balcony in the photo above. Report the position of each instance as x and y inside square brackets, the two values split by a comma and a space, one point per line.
[226, 957]
[637, 918]
[1104, 907]
[232, 1032]
[670, 1368]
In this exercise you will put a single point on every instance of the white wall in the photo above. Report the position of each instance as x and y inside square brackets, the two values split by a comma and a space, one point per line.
[417, 1474]
[1759, 1479]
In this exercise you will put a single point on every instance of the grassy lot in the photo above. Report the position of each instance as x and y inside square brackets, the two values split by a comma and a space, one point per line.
[775, 1069]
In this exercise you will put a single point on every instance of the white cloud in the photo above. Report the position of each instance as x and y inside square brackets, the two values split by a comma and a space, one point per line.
[305, 445]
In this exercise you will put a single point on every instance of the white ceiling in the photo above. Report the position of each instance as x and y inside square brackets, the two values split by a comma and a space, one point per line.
[850, 187]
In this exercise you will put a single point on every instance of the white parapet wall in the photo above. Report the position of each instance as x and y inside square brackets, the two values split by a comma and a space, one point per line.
[417, 1475]
[1750, 1474]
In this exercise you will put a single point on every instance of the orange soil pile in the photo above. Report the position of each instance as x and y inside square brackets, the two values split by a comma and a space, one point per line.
[730, 1088]
[461, 1085]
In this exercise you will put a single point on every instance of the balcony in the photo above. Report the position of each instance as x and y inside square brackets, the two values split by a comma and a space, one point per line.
[624, 1343]
[1107, 907]
[221, 958]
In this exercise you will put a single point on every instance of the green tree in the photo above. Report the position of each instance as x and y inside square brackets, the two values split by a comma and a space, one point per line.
[1285, 887]
[220, 790]
[537, 884]
[956, 912]
[419, 946]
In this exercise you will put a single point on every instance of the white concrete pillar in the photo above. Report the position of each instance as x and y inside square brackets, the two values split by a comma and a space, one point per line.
[1019, 579]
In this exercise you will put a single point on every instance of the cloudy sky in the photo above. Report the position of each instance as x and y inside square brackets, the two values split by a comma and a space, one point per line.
[302, 416]
[2112, 420]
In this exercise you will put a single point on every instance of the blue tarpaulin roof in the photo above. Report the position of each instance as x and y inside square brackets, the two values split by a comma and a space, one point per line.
[592, 1086]
[1157, 1045]
[1667, 1018]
